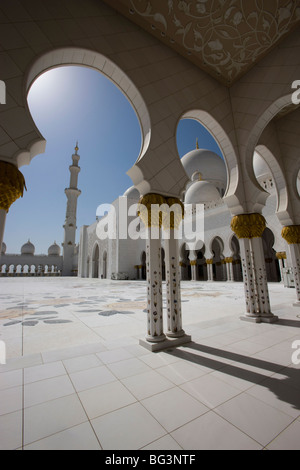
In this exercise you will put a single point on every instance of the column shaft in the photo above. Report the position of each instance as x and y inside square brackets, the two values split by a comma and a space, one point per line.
[2, 226]
[291, 235]
[174, 313]
[249, 228]
[295, 257]
[154, 290]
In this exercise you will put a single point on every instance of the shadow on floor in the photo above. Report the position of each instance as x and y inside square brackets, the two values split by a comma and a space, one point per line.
[286, 386]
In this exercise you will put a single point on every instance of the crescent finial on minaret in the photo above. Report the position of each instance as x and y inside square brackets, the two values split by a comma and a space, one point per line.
[76, 148]
[197, 144]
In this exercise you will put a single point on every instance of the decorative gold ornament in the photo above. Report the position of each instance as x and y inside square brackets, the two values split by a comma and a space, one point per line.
[228, 260]
[150, 210]
[209, 261]
[12, 185]
[193, 263]
[173, 217]
[248, 226]
[281, 255]
[291, 234]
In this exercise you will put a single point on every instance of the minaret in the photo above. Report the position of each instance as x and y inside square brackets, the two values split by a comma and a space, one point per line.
[72, 194]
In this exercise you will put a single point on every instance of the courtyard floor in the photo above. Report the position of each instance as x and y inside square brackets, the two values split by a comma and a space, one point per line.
[76, 377]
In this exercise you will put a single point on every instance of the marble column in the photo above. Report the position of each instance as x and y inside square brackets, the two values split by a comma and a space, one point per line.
[281, 257]
[193, 264]
[171, 225]
[229, 269]
[210, 274]
[182, 270]
[2, 226]
[152, 219]
[291, 235]
[137, 272]
[249, 228]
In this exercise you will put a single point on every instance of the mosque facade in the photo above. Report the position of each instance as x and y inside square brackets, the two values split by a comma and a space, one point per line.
[232, 68]
[216, 257]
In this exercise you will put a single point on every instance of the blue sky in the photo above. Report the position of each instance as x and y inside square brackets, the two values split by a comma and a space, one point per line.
[70, 104]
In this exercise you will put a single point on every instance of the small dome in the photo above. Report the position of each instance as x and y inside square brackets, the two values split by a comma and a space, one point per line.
[132, 193]
[201, 192]
[260, 167]
[54, 250]
[209, 164]
[28, 249]
[3, 249]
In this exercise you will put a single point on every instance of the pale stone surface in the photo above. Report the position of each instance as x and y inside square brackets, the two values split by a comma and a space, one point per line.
[235, 380]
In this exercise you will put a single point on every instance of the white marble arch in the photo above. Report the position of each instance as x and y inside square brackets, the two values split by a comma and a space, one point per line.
[226, 146]
[255, 196]
[65, 56]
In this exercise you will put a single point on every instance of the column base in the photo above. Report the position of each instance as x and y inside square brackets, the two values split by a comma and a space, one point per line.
[260, 318]
[167, 344]
[172, 335]
[155, 339]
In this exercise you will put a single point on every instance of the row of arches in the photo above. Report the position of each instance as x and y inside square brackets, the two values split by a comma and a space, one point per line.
[11, 270]
[199, 270]
[97, 266]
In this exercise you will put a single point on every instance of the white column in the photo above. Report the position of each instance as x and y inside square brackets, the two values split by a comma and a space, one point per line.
[260, 271]
[210, 274]
[281, 256]
[155, 329]
[291, 235]
[249, 228]
[2, 226]
[231, 274]
[174, 313]
[295, 257]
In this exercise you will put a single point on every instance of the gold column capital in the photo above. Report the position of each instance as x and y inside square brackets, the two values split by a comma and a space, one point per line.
[151, 218]
[291, 234]
[193, 262]
[209, 261]
[248, 225]
[281, 255]
[12, 185]
[228, 260]
[173, 217]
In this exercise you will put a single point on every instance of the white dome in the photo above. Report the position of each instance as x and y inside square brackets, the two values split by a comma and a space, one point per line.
[260, 167]
[54, 250]
[132, 193]
[3, 249]
[28, 249]
[209, 164]
[201, 192]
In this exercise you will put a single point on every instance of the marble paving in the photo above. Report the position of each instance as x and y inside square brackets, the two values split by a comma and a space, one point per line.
[76, 375]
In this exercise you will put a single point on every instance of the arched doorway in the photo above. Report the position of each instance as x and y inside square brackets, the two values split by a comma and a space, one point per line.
[104, 268]
[236, 264]
[272, 263]
[144, 266]
[201, 265]
[219, 268]
[95, 265]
